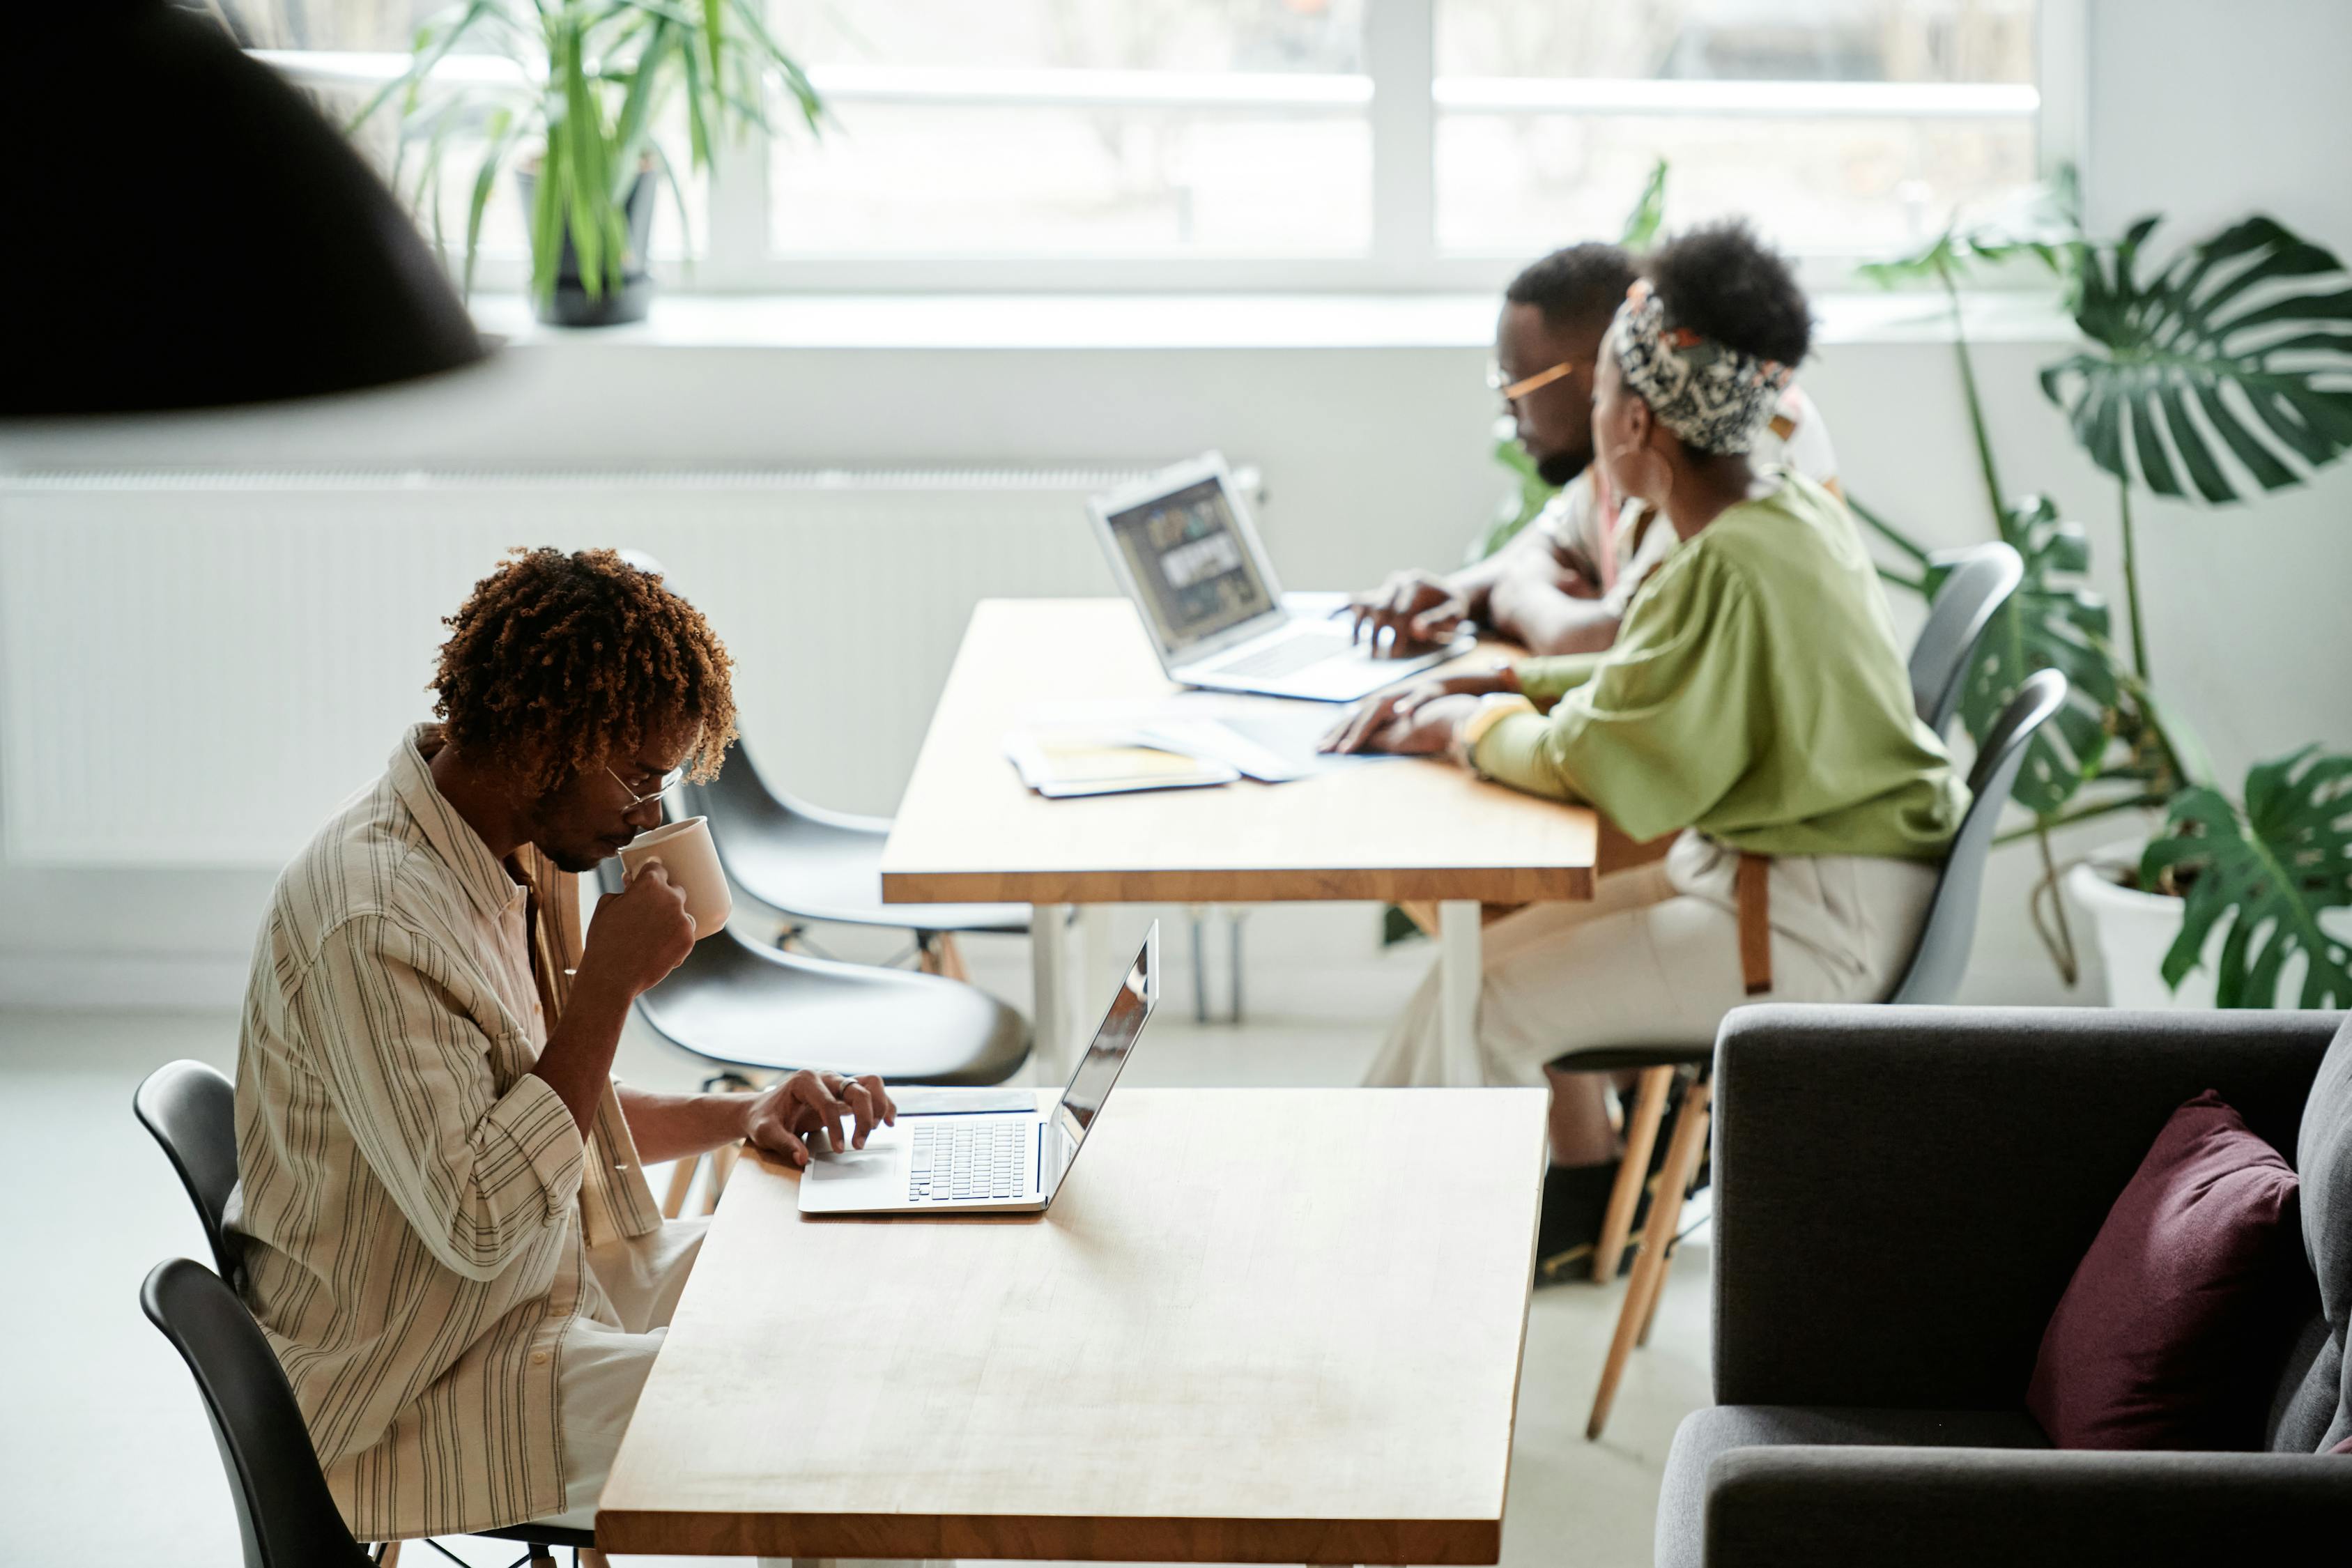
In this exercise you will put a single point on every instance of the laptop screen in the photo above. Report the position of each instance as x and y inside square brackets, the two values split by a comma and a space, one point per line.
[1185, 551]
[1090, 1086]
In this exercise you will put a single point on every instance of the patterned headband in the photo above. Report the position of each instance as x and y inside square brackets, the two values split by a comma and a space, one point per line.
[1717, 398]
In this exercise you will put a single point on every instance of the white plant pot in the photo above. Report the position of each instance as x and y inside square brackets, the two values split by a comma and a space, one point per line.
[2135, 930]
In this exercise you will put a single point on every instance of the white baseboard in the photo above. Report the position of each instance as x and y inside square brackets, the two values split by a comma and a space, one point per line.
[140, 982]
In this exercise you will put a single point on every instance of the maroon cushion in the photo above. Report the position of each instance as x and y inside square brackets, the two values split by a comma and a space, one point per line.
[2173, 1330]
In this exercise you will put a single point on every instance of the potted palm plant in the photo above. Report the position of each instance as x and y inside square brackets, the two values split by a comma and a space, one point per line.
[574, 113]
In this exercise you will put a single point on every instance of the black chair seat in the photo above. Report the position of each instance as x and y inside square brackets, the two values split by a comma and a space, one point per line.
[540, 1535]
[1624, 1058]
[743, 1006]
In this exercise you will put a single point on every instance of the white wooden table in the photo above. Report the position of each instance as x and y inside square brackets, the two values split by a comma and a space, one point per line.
[1257, 1326]
[1414, 831]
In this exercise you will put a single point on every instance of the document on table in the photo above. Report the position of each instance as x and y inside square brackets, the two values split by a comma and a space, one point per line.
[1060, 761]
[1100, 748]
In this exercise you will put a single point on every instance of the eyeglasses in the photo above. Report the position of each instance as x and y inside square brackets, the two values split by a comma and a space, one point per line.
[662, 786]
[1513, 391]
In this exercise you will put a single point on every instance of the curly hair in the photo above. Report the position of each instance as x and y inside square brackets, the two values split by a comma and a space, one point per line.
[558, 662]
[1579, 286]
[1722, 282]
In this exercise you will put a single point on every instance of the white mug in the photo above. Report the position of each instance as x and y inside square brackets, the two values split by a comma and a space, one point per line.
[686, 855]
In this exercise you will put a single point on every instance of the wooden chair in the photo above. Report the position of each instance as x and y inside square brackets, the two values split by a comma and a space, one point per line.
[1933, 975]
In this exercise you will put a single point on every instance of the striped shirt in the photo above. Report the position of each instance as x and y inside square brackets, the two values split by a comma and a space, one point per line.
[414, 1204]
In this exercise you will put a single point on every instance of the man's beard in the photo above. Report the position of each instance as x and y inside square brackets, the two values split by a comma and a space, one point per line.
[577, 864]
[1557, 469]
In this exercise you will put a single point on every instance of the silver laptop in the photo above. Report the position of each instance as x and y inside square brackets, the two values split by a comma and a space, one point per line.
[988, 1162]
[1183, 548]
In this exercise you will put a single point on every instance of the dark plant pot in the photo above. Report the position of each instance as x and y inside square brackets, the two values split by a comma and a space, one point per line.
[571, 305]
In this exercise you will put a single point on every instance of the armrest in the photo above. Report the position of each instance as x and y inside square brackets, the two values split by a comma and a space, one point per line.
[1903, 1192]
[1964, 1508]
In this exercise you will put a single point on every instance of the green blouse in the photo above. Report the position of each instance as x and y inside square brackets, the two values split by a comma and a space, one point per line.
[1754, 692]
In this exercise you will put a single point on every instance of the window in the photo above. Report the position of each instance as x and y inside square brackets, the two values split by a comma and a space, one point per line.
[1386, 144]
[1062, 128]
[1849, 125]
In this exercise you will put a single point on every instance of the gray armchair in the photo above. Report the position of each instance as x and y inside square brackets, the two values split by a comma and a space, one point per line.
[1902, 1194]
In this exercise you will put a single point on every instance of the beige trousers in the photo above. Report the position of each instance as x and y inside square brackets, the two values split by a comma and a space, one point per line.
[609, 1350]
[1654, 959]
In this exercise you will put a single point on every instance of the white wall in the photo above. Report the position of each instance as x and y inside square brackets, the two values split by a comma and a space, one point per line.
[1376, 456]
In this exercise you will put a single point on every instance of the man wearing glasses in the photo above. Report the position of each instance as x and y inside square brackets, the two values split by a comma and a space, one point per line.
[1561, 585]
[447, 1233]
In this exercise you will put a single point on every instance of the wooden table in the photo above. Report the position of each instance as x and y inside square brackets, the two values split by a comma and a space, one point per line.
[1257, 1326]
[969, 831]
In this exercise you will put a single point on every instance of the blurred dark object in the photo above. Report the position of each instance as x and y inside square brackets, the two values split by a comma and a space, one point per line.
[187, 231]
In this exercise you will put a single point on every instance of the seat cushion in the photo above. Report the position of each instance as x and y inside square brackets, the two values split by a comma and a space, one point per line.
[1704, 1434]
[2322, 1159]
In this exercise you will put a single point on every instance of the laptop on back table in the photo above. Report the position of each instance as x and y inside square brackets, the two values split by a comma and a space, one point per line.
[1183, 548]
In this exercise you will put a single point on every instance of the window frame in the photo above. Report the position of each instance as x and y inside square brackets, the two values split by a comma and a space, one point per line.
[1398, 95]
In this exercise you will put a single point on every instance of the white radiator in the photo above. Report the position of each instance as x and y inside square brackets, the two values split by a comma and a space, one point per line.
[198, 667]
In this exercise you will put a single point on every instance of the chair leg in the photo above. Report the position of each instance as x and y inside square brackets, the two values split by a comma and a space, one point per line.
[1649, 1313]
[951, 962]
[589, 1557]
[681, 1183]
[1633, 1170]
[387, 1554]
[1649, 1263]
[723, 1165]
[1233, 918]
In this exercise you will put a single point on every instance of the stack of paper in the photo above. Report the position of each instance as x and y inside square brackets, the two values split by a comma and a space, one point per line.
[1077, 760]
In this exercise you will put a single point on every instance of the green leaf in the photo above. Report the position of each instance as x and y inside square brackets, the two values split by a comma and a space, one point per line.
[637, 107]
[587, 173]
[502, 138]
[433, 44]
[1889, 531]
[2053, 622]
[2268, 873]
[1649, 211]
[1527, 496]
[2241, 323]
[2041, 225]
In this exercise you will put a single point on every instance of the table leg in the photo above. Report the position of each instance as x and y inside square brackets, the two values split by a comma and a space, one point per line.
[1089, 972]
[1458, 984]
[1049, 1003]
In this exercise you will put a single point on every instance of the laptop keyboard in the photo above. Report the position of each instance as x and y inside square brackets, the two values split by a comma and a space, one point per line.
[969, 1157]
[1287, 657]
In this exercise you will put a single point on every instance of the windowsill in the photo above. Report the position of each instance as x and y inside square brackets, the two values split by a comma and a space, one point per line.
[1193, 322]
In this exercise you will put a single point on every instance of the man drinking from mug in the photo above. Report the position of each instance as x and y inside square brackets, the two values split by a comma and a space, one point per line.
[447, 1233]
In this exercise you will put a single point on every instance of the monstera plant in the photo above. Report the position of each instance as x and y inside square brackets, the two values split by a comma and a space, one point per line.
[2218, 375]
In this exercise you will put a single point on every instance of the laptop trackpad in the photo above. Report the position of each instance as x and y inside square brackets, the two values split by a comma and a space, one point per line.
[856, 1178]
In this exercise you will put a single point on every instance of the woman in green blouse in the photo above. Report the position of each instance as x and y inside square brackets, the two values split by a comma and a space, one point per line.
[1755, 703]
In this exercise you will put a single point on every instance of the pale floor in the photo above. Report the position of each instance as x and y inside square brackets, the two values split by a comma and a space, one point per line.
[105, 1459]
